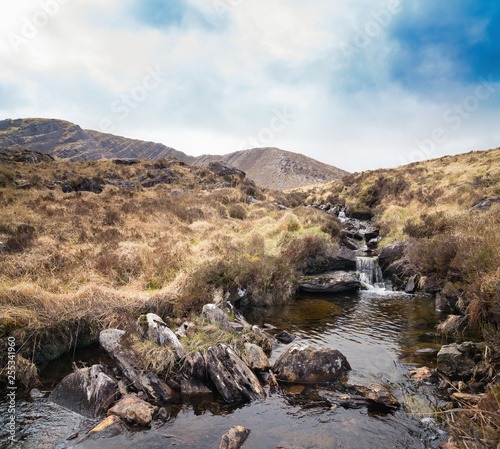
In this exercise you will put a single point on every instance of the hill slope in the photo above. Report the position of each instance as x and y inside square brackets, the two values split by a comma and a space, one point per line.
[268, 167]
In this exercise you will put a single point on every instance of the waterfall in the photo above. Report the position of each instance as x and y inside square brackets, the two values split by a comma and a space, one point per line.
[369, 272]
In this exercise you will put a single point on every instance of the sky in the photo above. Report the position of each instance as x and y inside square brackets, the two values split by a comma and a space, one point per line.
[359, 84]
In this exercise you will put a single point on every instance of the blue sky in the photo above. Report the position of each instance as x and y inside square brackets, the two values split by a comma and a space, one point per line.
[359, 84]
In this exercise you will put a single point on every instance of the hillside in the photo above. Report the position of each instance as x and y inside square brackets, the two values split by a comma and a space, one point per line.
[277, 169]
[268, 167]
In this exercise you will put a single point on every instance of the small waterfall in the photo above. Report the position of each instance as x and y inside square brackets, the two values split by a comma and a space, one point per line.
[369, 272]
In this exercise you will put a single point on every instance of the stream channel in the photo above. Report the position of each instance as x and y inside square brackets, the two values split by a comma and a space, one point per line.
[383, 334]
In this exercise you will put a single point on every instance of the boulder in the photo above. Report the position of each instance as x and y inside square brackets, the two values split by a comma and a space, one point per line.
[390, 254]
[235, 438]
[177, 193]
[222, 169]
[445, 303]
[134, 410]
[350, 243]
[285, 337]
[304, 364]
[462, 361]
[255, 358]
[194, 387]
[234, 380]
[345, 260]
[194, 366]
[87, 391]
[3, 247]
[183, 328]
[330, 282]
[411, 285]
[120, 183]
[152, 327]
[373, 243]
[215, 315]
[378, 394]
[485, 204]
[371, 234]
[125, 359]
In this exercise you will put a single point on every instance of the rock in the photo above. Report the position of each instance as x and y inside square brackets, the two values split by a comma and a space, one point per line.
[235, 438]
[112, 426]
[221, 168]
[134, 410]
[3, 247]
[391, 253]
[125, 359]
[470, 398]
[255, 358]
[152, 327]
[462, 361]
[216, 316]
[485, 204]
[87, 391]
[125, 161]
[233, 379]
[304, 364]
[236, 327]
[330, 282]
[373, 243]
[445, 303]
[162, 179]
[371, 234]
[120, 183]
[194, 387]
[422, 375]
[177, 193]
[35, 393]
[345, 260]
[284, 337]
[377, 394]
[31, 157]
[194, 366]
[163, 414]
[411, 285]
[183, 328]
[350, 243]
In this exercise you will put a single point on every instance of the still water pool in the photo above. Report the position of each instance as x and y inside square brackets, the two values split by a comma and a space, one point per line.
[382, 334]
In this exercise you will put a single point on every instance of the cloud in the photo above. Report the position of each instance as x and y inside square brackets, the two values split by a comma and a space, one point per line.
[365, 81]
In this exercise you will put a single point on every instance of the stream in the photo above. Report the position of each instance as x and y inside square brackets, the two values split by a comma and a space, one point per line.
[383, 335]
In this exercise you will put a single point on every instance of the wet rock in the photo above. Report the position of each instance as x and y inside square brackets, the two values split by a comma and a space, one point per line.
[195, 366]
[125, 161]
[87, 391]
[194, 387]
[422, 375]
[445, 303]
[371, 234]
[152, 327]
[285, 337]
[391, 253]
[134, 410]
[331, 282]
[112, 426]
[411, 285]
[235, 438]
[378, 394]
[462, 361]
[222, 169]
[373, 243]
[350, 243]
[111, 341]
[304, 364]
[234, 380]
[216, 316]
[255, 358]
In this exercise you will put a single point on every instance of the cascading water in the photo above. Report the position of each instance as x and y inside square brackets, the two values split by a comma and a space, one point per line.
[369, 272]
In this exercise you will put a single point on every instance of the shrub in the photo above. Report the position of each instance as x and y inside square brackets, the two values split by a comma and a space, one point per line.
[427, 225]
[307, 254]
[237, 211]
[21, 239]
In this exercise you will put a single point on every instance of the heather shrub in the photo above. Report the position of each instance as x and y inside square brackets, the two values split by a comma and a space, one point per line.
[237, 211]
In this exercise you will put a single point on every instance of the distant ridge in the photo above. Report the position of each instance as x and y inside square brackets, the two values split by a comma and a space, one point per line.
[268, 167]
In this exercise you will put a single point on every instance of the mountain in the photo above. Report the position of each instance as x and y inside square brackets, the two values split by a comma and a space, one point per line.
[277, 169]
[268, 167]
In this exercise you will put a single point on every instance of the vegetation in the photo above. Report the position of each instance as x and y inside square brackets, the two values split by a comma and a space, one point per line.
[75, 263]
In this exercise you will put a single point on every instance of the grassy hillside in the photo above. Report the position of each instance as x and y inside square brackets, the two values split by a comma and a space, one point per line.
[430, 203]
[74, 263]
